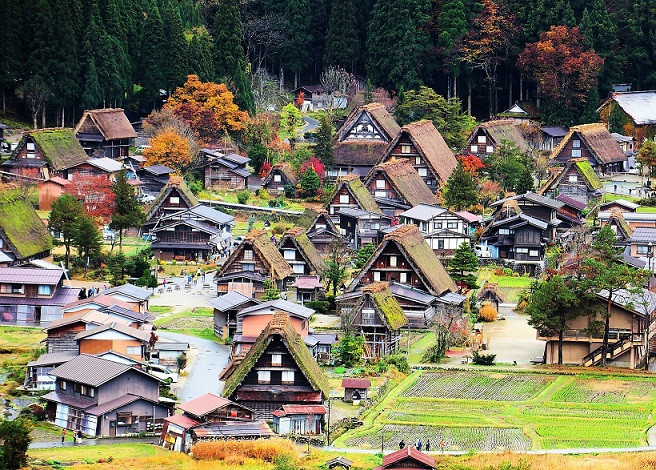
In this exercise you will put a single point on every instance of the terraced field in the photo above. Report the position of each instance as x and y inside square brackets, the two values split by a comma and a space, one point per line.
[479, 410]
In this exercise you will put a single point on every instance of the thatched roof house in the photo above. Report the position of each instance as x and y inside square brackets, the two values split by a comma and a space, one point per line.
[403, 186]
[487, 136]
[296, 238]
[593, 142]
[24, 236]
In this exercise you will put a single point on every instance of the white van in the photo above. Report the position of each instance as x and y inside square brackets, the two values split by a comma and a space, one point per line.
[483, 251]
[162, 372]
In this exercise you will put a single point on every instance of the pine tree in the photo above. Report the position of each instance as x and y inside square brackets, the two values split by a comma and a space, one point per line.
[323, 147]
[98, 45]
[66, 87]
[41, 43]
[452, 26]
[396, 49]
[310, 182]
[64, 216]
[460, 189]
[153, 58]
[176, 55]
[296, 53]
[201, 56]
[341, 38]
[600, 34]
[463, 264]
[590, 113]
[525, 182]
[92, 96]
[10, 52]
[127, 213]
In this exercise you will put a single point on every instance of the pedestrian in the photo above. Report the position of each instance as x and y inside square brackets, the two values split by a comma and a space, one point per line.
[79, 436]
[442, 445]
[401, 444]
[164, 282]
[104, 287]
[427, 445]
[418, 445]
[202, 273]
[97, 290]
[63, 435]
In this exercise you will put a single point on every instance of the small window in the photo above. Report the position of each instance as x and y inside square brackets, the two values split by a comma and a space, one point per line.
[263, 376]
[45, 289]
[248, 266]
[332, 210]
[573, 178]
[276, 359]
[380, 193]
[174, 200]
[376, 276]
[452, 225]
[344, 199]
[375, 225]
[290, 254]
[440, 244]
[481, 139]
[276, 178]
[133, 350]
[576, 143]
[576, 153]
[474, 149]
[393, 261]
[380, 184]
[422, 171]
[31, 155]
[403, 278]
[521, 250]
[504, 231]
[405, 148]
[298, 268]
[288, 376]
[417, 160]
[31, 147]
[534, 253]
[489, 149]
[642, 249]
[248, 255]
[437, 225]
[62, 384]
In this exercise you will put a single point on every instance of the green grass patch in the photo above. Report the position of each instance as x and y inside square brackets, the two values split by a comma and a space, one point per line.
[614, 197]
[160, 308]
[646, 209]
[419, 348]
[114, 450]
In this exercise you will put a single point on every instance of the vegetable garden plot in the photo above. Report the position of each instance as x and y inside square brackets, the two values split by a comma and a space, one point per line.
[477, 386]
[455, 438]
[607, 391]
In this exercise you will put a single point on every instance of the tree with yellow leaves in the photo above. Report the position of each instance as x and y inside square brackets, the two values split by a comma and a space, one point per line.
[208, 108]
[170, 149]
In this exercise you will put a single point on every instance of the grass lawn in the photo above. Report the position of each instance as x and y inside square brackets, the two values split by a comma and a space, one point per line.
[646, 209]
[496, 410]
[18, 346]
[198, 322]
[253, 200]
[510, 285]
[418, 348]
[612, 197]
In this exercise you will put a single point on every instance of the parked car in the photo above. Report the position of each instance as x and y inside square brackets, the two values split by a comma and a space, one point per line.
[162, 372]
[141, 149]
[145, 198]
[108, 233]
[483, 251]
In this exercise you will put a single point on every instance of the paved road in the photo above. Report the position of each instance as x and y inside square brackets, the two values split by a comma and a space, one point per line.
[204, 374]
[310, 124]
[95, 442]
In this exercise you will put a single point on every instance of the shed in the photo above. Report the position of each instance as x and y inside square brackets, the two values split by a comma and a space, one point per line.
[355, 389]
[340, 462]
[299, 419]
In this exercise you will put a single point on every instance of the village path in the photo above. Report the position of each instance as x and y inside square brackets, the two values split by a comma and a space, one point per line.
[95, 442]
[310, 124]
[210, 360]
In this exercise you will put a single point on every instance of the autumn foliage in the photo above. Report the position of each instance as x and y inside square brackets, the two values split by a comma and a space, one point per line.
[561, 66]
[315, 164]
[471, 163]
[262, 449]
[95, 193]
[208, 108]
[488, 312]
[170, 149]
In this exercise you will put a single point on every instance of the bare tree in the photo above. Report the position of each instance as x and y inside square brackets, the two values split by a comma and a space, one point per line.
[264, 33]
[35, 92]
[337, 83]
[267, 93]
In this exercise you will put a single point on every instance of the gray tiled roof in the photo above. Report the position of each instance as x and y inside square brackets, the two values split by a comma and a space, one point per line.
[53, 358]
[30, 276]
[230, 300]
[280, 304]
[130, 290]
[126, 330]
[89, 370]
[643, 235]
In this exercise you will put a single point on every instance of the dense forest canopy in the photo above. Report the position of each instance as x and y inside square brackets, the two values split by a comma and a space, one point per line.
[60, 56]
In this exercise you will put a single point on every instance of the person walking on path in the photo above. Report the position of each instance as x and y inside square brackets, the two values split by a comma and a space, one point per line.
[63, 434]
[401, 444]
[79, 436]
[427, 445]
[418, 446]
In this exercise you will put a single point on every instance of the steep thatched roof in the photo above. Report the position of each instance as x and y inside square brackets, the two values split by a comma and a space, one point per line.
[307, 249]
[280, 325]
[493, 288]
[359, 192]
[501, 129]
[379, 116]
[262, 245]
[405, 179]
[430, 143]
[59, 147]
[25, 232]
[618, 219]
[583, 168]
[358, 152]
[175, 182]
[392, 313]
[597, 139]
[112, 123]
[285, 169]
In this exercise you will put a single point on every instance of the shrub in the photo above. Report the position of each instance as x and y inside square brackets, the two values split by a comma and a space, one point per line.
[320, 306]
[243, 196]
[488, 312]
[498, 271]
[263, 194]
[278, 229]
[262, 449]
[290, 191]
[349, 350]
[483, 359]
[507, 272]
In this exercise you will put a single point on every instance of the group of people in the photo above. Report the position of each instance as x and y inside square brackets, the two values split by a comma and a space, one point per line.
[93, 291]
[77, 436]
[420, 445]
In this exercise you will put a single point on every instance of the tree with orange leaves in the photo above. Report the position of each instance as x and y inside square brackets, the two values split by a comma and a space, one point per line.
[471, 163]
[208, 108]
[170, 149]
[96, 195]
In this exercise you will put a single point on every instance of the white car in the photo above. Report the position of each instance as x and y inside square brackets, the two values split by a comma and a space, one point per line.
[146, 198]
[483, 251]
[108, 234]
[162, 372]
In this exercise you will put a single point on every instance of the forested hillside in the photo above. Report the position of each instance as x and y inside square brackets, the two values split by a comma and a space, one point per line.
[64, 55]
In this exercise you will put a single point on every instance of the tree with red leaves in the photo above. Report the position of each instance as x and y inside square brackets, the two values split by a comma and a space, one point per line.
[471, 163]
[563, 69]
[316, 165]
[96, 195]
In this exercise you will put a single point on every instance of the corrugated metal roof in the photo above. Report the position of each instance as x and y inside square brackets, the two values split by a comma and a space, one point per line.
[307, 282]
[640, 105]
[533, 197]
[169, 345]
[116, 326]
[230, 300]
[279, 305]
[80, 403]
[90, 370]
[353, 382]
[183, 421]
[52, 358]
[571, 202]
[95, 317]
[130, 290]
[158, 170]
[204, 404]
[644, 235]
[30, 276]
[407, 453]
[423, 212]
[301, 410]
[106, 164]
[621, 202]
[631, 216]
[63, 296]
[234, 429]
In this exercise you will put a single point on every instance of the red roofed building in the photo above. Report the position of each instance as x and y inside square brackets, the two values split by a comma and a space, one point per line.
[50, 190]
[355, 388]
[211, 407]
[299, 419]
[406, 459]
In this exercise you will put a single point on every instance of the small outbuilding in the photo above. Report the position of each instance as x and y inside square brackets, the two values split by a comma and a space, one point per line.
[491, 293]
[339, 462]
[407, 458]
[299, 419]
[355, 389]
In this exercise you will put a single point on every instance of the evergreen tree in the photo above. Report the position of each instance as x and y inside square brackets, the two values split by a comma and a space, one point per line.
[323, 147]
[463, 265]
[153, 60]
[590, 113]
[88, 240]
[92, 96]
[201, 56]
[452, 27]
[310, 182]
[296, 54]
[601, 35]
[616, 119]
[41, 43]
[66, 87]
[341, 38]
[525, 182]
[10, 52]
[127, 213]
[176, 72]
[64, 216]
[460, 189]
[15, 438]
[397, 49]
[568, 18]
[364, 253]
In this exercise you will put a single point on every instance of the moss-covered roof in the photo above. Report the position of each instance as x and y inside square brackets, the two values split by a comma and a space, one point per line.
[23, 228]
[617, 217]
[59, 147]
[308, 250]
[387, 305]
[269, 254]
[589, 174]
[405, 180]
[360, 193]
[280, 325]
[175, 182]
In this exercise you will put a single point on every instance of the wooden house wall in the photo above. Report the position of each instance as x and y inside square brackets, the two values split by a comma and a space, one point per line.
[388, 273]
[276, 187]
[298, 258]
[85, 170]
[388, 192]
[63, 339]
[130, 381]
[30, 155]
[481, 149]
[168, 207]
[218, 176]
[335, 204]
[417, 159]
[151, 183]
[577, 189]
[183, 234]
[229, 412]
[566, 152]
[48, 193]
[238, 262]
[536, 210]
